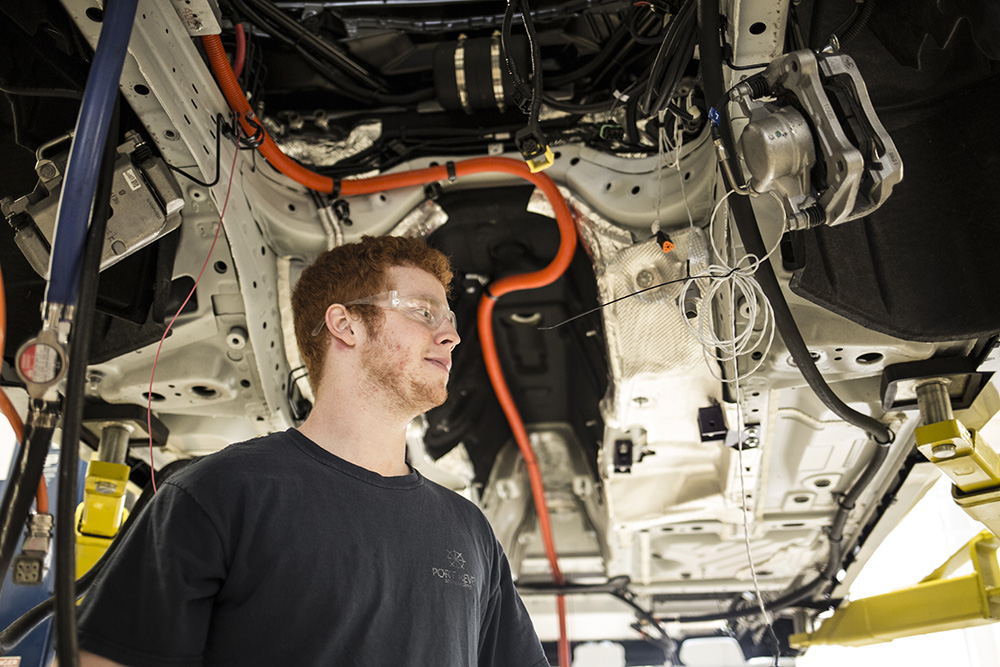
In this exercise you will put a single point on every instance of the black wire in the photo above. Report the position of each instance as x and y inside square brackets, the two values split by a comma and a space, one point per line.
[679, 29]
[626, 596]
[617, 587]
[582, 108]
[795, 39]
[218, 146]
[636, 293]
[816, 18]
[730, 65]
[613, 65]
[610, 50]
[21, 486]
[69, 456]
[829, 572]
[505, 41]
[675, 72]
[42, 92]
[636, 30]
[536, 61]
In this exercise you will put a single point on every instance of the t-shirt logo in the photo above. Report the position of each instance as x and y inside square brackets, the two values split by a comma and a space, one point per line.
[453, 574]
[455, 560]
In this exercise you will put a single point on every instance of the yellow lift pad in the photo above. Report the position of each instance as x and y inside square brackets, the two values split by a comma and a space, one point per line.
[935, 604]
[100, 515]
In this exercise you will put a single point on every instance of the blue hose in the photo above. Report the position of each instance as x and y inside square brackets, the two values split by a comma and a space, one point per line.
[80, 182]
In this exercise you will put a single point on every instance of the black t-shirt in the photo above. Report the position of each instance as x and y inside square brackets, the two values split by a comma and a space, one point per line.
[276, 552]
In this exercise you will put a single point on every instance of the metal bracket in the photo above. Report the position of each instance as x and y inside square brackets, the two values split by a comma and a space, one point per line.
[960, 453]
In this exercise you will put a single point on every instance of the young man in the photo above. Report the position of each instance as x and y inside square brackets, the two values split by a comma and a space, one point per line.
[320, 546]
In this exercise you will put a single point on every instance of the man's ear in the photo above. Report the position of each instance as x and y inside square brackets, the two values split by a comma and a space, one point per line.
[341, 324]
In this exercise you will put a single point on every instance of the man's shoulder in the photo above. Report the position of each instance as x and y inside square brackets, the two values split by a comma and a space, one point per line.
[458, 503]
[235, 460]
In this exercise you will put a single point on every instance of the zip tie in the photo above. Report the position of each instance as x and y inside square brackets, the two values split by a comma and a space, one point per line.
[452, 176]
[336, 188]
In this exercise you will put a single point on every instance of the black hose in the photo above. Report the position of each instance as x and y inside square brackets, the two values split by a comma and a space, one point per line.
[23, 483]
[631, 123]
[69, 456]
[858, 24]
[746, 223]
[816, 19]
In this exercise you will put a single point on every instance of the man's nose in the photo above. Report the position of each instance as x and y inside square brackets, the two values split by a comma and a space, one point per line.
[447, 335]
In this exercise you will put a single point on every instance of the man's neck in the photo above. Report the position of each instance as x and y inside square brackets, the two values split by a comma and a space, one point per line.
[351, 425]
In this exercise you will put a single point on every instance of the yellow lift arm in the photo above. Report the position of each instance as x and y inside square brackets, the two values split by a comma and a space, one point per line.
[936, 603]
[102, 511]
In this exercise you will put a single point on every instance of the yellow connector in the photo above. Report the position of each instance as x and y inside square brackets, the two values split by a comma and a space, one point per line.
[100, 515]
[540, 162]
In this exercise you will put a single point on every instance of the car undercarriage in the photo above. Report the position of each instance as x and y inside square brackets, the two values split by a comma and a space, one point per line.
[753, 229]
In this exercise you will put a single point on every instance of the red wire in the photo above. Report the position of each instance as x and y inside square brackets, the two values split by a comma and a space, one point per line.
[237, 100]
[241, 50]
[152, 373]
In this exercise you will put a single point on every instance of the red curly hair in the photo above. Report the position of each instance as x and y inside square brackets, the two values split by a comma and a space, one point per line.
[351, 272]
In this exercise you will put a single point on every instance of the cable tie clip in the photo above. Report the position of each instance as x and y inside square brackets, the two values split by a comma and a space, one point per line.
[343, 211]
[521, 99]
[452, 176]
[259, 135]
[432, 191]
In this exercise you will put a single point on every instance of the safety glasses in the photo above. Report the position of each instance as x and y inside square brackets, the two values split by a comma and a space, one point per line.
[427, 310]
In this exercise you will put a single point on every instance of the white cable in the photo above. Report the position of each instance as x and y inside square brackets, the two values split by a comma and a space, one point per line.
[737, 278]
[765, 614]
